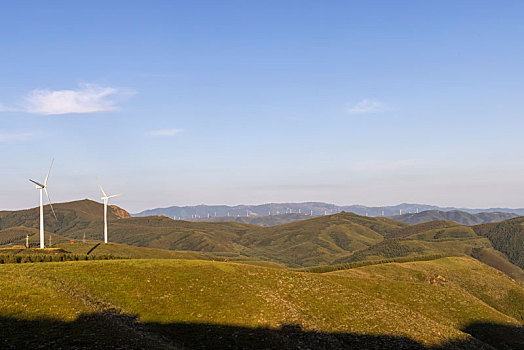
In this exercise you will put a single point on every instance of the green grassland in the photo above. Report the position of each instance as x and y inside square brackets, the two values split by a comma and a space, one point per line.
[158, 304]
[127, 251]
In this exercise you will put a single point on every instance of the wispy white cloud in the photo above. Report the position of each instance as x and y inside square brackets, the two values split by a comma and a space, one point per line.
[367, 106]
[88, 98]
[4, 137]
[164, 132]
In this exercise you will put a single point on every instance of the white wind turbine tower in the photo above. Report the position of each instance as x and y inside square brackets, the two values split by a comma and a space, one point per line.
[105, 198]
[42, 188]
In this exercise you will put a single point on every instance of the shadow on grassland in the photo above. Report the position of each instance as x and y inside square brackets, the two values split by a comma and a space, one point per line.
[111, 331]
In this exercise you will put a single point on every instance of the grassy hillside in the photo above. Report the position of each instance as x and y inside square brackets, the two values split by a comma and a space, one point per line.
[333, 239]
[409, 230]
[17, 236]
[438, 238]
[264, 221]
[446, 303]
[305, 243]
[460, 217]
[507, 237]
[84, 216]
[127, 251]
[319, 240]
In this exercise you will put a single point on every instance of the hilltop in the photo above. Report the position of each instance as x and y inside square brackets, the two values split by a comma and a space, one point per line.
[83, 216]
[460, 217]
[172, 304]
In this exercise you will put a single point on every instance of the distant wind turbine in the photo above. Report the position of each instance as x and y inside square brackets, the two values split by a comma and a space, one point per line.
[105, 198]
[43, 188]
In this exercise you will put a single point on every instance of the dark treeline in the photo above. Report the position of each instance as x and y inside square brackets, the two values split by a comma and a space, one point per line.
[21, 259]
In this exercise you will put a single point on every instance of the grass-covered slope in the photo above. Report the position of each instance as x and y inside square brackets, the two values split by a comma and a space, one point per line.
[265, 221]
[318, 240]
[305, 243]
[83, 216]
[17, 236]
[159, 304]
[438, 238]
[507, 237]
[339, 238]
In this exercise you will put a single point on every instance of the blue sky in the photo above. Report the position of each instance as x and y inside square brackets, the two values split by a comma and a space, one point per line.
[229, 102]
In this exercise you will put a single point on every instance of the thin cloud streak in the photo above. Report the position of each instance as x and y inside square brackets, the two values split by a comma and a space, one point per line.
[367, 106]
[5, 137]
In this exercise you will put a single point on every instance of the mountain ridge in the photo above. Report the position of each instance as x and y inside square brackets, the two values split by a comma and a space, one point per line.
[460, 217]
[311, 208]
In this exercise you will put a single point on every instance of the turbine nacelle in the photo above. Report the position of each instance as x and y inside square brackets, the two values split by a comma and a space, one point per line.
[38, 186]
[107, 197]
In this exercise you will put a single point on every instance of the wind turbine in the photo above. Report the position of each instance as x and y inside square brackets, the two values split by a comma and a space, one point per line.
[105, 198]
[42, 188]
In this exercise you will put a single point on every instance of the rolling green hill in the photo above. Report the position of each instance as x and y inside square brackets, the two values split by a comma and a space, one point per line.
[304, 243]
[318, 240]
[460, 217]
[173, 304]
[333, 239]
[507, 237]
[84, 216]
[438, 238]
[265, 221]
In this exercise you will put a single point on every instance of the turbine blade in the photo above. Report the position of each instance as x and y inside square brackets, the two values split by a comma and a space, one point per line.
[115, 195]
[36, 183]
[99, 185]
[50, 203]
[47, 176]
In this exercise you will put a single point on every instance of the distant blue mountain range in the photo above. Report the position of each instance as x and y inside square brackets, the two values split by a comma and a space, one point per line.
[314, 208]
